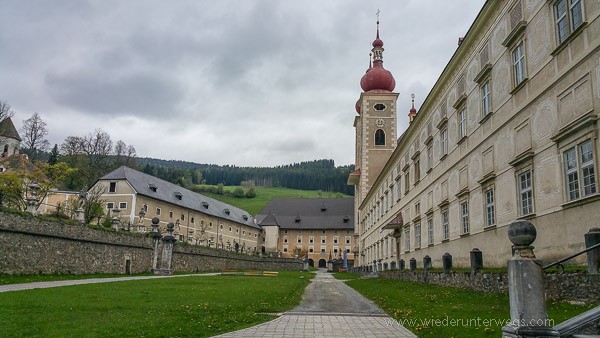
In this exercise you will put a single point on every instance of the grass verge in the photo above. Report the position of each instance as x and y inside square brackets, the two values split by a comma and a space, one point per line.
[196, 306]
[460, 312]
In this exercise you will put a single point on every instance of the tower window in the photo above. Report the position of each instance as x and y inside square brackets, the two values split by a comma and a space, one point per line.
[379, 106]
[379, 137]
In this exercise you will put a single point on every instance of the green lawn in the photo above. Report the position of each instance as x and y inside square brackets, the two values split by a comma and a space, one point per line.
[264, 195]
[459, 312]
[197, 306]
[17, 279]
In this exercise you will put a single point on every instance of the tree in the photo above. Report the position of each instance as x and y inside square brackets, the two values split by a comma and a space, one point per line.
[251, 193]
[53, 158]
[92, 203]
[34, 136]
[5, 111]
[12, 190]
[239, 192]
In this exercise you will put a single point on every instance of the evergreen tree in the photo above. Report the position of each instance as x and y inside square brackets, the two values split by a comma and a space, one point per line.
[53, 158]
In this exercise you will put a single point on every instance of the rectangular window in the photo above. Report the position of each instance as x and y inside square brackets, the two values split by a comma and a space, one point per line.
[417, 235]
[462, 123]
[112, 187]
[285, 239]
[348, 239]
[311, 249]
[486, 102]
[336, 239]
[299, 240]
[490, 214]
[323, 239]
[157, 211]
[417, 170]
[580, 173]
[123, 205]
[406, 182]
[170, 214]
[464, 217]
[429, 157]
[407, 239]
[444, 143]
[323, 249]
[518, 58]
[445, 225]
[430, 231]
[568, 16]
[311, 239]
[192, 220]
[285, 249]
[110, 205]
[525, 193]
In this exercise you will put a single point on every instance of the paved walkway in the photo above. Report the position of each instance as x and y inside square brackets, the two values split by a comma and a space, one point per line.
[54, 284]
[329, 308]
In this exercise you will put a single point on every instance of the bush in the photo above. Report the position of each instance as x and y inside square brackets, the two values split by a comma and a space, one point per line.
[239, 192]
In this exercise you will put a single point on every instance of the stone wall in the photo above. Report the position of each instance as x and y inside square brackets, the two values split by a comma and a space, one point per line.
[572, 286]
[32, 246]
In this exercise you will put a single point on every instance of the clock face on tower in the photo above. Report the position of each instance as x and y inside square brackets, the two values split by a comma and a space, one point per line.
[380, 123]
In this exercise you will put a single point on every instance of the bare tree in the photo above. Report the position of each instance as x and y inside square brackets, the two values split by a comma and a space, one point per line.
[5, 111]
[97, 146]
[131, 155]
[73, 145]
[34, 136]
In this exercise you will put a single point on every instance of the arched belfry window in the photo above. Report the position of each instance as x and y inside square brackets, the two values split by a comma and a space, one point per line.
[380, 137]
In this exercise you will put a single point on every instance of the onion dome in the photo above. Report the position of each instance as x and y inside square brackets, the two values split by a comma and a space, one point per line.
[357, 106]
[377, 77]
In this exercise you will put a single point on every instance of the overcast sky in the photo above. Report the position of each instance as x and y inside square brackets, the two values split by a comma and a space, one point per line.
[249, 83]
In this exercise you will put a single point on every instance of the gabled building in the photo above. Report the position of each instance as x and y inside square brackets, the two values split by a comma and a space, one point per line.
[135, 198]
[320, 228]
[509, 131]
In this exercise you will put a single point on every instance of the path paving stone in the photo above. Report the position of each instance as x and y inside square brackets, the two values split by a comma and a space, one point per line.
[329, 308]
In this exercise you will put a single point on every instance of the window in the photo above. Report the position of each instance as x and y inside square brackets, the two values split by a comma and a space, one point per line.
[123, 205]
[445, 225]
[110, 205]
[347, 239]
[580, 174]
[490, 215]
[299, 240]
[429, 157]
[417, 170]
[183, 217]
[398, 190]
[444, 143]
[379, 137]
[170, 214]
[417, 235]
[568, 15]
[464, 217]
[285, 239]
[285, 249]
[379, 106]
[418, 208]
[518, 58]
[192, 220]
[462, 122]
[336, 239]
[406, 181]
[157, 211]
[112, 187]
[486, 100]
[323, 239]
[323, 249]
[525, 193]
[430, 231]
[407, 239]
[311, 239]
[311, 249]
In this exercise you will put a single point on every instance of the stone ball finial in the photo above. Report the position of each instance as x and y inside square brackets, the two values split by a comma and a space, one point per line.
[170, 226]
[522, 233]
[155, 220]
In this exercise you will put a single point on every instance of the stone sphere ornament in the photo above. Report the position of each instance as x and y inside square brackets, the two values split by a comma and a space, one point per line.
[522, 233]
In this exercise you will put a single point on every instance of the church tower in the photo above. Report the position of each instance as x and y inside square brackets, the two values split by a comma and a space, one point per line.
[376, 124]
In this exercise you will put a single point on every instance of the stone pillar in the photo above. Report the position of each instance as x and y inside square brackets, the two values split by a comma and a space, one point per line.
[305, 265]
[447, 262]
[593, 256]
[330, 265]
[476, 261]
[426, 262]
[156, 242]
[401, 265]
[413, 264]
[526, 286]
[167, 254]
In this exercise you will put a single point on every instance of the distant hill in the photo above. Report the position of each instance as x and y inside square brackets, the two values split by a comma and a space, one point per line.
[264, 195]
[313, 175]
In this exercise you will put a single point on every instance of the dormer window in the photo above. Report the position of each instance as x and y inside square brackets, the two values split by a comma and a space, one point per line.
[152, 187]
[205, 205]
[346, 219]
[298, 219]
[227, 211]
[178, 195]
[245, 217]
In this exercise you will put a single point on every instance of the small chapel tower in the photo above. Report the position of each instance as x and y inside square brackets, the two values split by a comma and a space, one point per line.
[376, 124]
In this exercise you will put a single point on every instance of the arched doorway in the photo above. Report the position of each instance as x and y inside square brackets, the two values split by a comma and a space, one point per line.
[322, 263]
[311, 262]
